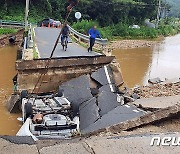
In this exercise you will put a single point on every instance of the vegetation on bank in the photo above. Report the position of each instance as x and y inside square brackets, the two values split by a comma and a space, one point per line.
[113, 17]
[167, 27]
[5, 31]
[106, 12]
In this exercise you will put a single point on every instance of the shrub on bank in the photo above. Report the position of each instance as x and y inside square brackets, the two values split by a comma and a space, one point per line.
[5, 31]
[84, 25]
[121, 30]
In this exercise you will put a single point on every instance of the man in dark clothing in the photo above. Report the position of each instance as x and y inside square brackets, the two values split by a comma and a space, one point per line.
[64, 33]
[72, 3]
[93, 34]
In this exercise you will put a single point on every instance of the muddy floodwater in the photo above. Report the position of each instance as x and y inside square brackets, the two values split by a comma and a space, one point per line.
[140, 64]
[8, 122]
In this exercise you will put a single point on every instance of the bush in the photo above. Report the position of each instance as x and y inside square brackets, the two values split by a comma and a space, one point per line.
[84, 25]
[6, 31]
[121, 30]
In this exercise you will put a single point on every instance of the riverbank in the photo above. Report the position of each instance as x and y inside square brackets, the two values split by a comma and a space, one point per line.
[4, 39]
[129, 44]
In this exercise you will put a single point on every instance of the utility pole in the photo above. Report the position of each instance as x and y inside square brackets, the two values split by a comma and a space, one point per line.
[26, 15]
[158, 14]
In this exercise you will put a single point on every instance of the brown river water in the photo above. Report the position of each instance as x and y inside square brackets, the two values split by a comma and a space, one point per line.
[8, 122]
[138, 65]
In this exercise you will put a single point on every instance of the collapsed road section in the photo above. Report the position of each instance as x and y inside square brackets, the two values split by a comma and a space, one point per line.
[59, 70]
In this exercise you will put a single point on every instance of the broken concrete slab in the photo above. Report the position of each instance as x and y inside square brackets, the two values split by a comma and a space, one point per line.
[157, 103]
[155, 80]
[11, 148]
[174, 80]
[89, 113]
[118, 78]
[19, 139]
[77, 91]
[59, 70]
[131, 144]
[108, 88]
[120, 114]
[149, 118]
[104, 76]
[107, 101]
[13, 103]
[63, 62]
[65, 148]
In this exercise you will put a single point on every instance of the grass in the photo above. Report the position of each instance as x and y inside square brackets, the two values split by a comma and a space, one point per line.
[5, 31]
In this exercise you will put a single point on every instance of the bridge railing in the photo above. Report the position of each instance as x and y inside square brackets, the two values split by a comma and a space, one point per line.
[11, 23]
[86, 38]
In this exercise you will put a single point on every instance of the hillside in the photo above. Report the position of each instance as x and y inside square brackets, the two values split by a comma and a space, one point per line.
[175, 7]
[106, 12]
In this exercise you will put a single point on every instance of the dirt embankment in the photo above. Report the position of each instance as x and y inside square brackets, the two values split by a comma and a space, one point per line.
[158, 90]
[128, 44]
[4, 39]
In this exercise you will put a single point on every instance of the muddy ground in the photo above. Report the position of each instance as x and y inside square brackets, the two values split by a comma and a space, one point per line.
[4, 39]
[128, 44]
[158, 90]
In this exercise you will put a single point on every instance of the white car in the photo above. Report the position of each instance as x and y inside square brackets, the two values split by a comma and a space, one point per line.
[48, 117]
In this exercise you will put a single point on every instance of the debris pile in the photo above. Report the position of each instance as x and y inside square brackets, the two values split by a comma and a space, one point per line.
[158, 90]
[97, 100]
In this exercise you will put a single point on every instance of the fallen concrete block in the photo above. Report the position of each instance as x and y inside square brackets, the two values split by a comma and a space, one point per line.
[89, 113]
[77, 91]
[120, 114]
[175, 80]
[13, 103]
[145, 119]
[154, 81]
[107, 101]
[104, 76]
[108, 88]
[157, 103]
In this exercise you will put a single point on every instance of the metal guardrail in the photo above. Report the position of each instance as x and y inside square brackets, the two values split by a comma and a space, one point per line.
[11, 23]
[86, 38]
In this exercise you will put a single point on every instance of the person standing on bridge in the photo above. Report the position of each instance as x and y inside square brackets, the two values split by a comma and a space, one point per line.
[64, 33]
[72, 3]
[93, 34]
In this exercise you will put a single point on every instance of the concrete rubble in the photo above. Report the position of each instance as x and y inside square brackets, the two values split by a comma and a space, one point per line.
[157, 103]
[103, 108]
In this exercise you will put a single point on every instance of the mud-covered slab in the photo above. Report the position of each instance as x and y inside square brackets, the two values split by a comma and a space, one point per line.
[157, 102]
[119, 115]
[174, 80]
[77, 91]
[107, 101]
[89, 113]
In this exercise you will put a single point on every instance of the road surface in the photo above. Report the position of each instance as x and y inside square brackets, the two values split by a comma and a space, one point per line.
[45, 39]
[95, 145]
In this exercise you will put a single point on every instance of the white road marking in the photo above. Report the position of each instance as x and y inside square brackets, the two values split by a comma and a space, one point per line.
[108, 78]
